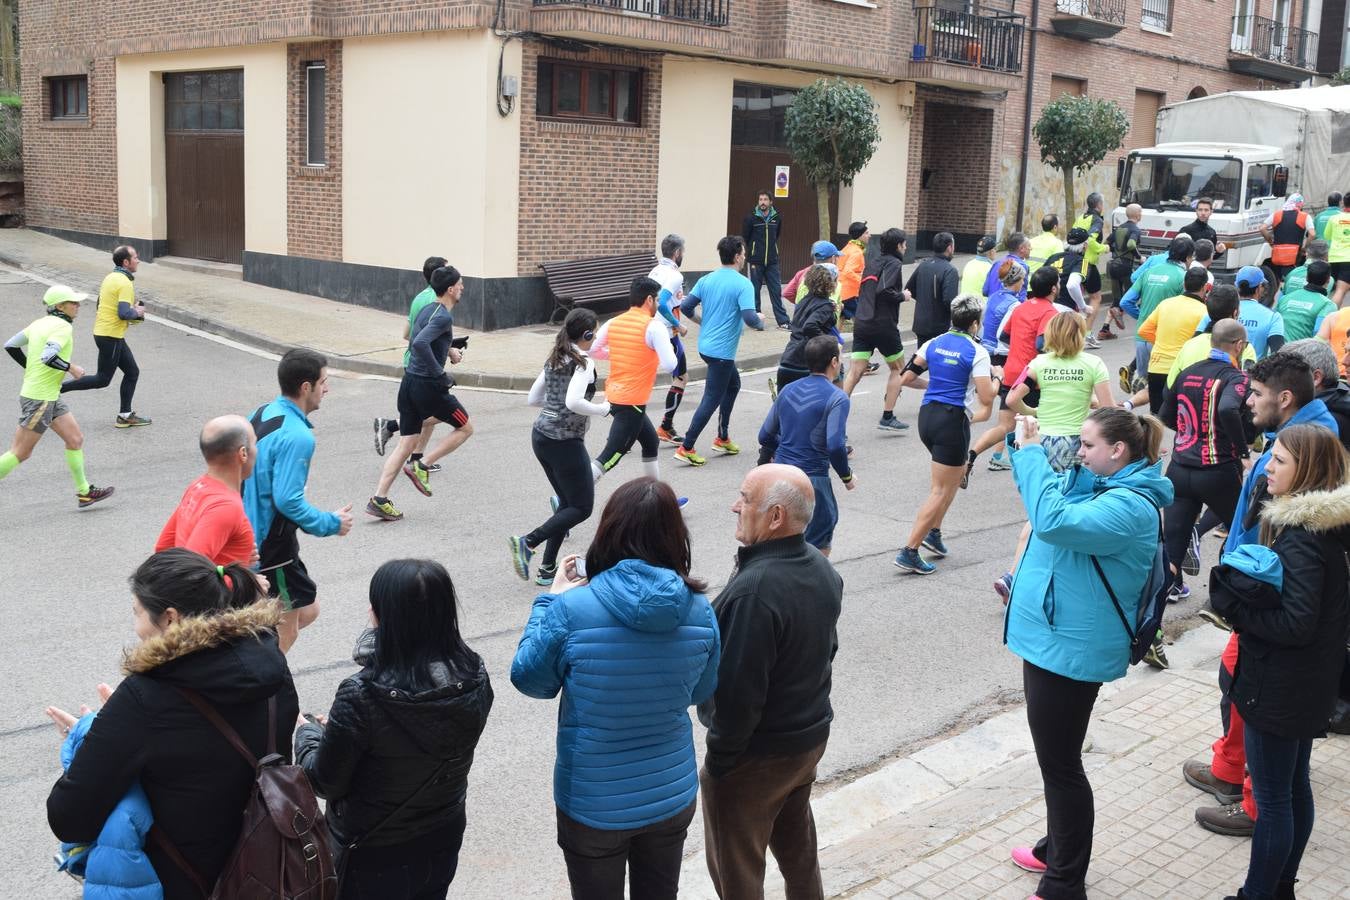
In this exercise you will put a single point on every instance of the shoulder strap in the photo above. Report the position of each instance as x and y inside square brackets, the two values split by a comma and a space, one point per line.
[1102, 575]
[209, 712]
[161, 840]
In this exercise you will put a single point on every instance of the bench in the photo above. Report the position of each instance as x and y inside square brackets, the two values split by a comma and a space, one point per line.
[589, 282]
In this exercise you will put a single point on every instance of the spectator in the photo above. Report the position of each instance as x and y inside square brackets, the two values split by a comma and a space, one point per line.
[976, 269]
[934, 285]
[760, 232]
[1327, 387]
[393, 755]
[770, 718]
[631, 641]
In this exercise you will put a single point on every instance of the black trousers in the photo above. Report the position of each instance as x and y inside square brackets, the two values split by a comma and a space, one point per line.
[1058, 710]
[568, 468]
[597, 860]
[1157, 386]
[421, 869]
[1195, 487]
[113, 354]
[629, 425]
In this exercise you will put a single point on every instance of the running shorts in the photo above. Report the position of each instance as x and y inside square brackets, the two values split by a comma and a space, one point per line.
[1092, 281]
[820, 530]
[884, 339]
[1341, 271]
[37, 415]
[1061, 450]
[1033, 397]
[945, 431]
[420, 399]
[291, 584]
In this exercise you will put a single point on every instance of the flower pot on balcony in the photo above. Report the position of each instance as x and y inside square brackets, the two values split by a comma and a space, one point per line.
[973, 53]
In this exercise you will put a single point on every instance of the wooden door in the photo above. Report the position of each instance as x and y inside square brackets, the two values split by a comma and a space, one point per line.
[204, 164]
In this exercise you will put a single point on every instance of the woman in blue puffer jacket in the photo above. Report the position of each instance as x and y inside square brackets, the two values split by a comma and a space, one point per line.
[631, 649]
[1061, 619]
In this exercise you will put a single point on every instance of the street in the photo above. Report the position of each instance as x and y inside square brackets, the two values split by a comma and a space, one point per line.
[918, 658]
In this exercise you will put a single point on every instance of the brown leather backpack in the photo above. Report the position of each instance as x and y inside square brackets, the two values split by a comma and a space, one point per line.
[283, 847]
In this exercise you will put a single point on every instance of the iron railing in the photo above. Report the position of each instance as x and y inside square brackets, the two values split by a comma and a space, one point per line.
[1103, 10]
[969, 38]
[1156, 14]
[704, 12]
[1263, 38]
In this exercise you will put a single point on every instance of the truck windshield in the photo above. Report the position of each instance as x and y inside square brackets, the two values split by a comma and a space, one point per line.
[1176, 182]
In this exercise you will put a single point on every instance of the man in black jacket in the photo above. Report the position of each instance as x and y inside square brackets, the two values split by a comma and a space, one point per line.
[760, 232]
[934, 285]
[876, 325]
[770, 718]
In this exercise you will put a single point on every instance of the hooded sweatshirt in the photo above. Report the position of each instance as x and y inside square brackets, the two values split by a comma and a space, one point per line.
[630, 651]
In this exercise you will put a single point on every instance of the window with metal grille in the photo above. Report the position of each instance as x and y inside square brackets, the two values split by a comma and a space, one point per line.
[69, 97]
[568, 90]
[1156, 14]
[316, 112]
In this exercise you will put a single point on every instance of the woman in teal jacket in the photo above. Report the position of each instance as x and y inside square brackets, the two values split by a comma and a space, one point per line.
[1061, 619]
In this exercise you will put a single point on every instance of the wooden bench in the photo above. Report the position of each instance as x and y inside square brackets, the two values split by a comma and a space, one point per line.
[589, 282]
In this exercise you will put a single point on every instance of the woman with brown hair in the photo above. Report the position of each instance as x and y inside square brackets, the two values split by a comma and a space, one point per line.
[1292, 650]
[630, 640]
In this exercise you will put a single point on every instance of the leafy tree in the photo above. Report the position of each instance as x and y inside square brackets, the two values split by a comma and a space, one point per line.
[1340, 78]
[1076, 133]
[832, 131]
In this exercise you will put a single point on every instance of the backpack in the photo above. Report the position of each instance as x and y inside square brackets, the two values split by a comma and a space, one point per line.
[1152, 600]
[283, 847]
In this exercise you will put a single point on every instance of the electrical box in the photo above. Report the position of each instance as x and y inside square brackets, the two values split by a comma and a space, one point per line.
[510, 86]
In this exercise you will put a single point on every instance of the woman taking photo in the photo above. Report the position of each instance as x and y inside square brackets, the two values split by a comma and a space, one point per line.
[1061, 619]
[200, 628]
[563, 390]
[960, 390]
[631, 649]
[393, 756]
[1291, 652]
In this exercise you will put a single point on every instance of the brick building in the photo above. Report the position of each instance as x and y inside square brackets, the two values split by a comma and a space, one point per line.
[330, 145]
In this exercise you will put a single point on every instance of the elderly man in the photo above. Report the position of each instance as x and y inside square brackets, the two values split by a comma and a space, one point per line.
[1327, 385]
[769, 720]
[210, 519]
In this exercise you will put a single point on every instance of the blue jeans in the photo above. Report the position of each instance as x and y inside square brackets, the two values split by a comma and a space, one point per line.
[1142, 351]
[1283, 792]
[761, 275]
[719, 393]
[820, 530]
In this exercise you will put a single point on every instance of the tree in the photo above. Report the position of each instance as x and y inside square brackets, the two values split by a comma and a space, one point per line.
[832, 131]
[1076, 133]
[1340, 78]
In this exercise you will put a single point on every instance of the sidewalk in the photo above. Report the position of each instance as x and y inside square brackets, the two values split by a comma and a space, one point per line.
[940, 822]
[357, 338]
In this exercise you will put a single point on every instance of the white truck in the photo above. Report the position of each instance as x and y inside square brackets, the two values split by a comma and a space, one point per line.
[1245, 150]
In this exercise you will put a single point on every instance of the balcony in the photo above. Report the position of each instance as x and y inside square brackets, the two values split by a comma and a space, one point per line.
[967, 50]
[714, 13]
[1265, 48]
[1088, 20]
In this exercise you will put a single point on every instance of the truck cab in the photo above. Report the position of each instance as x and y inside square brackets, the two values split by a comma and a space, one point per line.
[1246, 183]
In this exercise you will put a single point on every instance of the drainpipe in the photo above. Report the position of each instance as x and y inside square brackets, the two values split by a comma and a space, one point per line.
[1026, 114]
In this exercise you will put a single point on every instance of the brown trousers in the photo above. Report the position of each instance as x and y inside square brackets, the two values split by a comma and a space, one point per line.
[762, 804]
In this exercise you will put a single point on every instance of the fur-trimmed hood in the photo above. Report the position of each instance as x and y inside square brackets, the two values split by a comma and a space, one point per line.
[1316, 511]
[231, 657]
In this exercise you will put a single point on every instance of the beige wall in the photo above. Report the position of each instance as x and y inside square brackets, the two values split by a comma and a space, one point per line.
[695, 164]
[140, 140]
[429, 167]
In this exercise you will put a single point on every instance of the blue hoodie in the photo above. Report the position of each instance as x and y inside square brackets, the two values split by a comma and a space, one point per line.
[276, 489]
[115, 867]
[631, 651]
[1059, 615]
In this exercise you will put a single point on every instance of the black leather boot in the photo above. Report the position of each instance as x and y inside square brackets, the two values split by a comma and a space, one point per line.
[1285, 890]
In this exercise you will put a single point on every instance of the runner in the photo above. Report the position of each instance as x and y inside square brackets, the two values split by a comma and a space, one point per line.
[1167, 329]
[728, 305]
[210, 519]
[1335, 330]
[1154, 283]
[877, 324]
[1265, 327]
[563, 391]
[1304, 310]
[636, 344]
[117, 309]
[852, 261]
[959, 390]
[667, 274]
[274, 495]
[815, 314]
[977, 268]
[806, 428]
[45, 362]
[385, 429]
[424, 393]
[1001, 303]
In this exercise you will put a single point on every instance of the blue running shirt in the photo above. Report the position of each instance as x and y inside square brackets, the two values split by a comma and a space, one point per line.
[954, 361]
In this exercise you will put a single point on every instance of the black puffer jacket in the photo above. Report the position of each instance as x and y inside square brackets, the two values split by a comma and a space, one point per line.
[1290, 658]
[381, 745]
[196, 782]
[813, 317]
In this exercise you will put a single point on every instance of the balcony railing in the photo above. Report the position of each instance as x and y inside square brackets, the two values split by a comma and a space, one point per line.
[1103, 10]
[1267, 39]
[986, 41]
[703, 12]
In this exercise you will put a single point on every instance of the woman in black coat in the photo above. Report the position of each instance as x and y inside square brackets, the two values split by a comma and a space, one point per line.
[815, 314]
[393, 755]
[1291, 651]
[200, 628]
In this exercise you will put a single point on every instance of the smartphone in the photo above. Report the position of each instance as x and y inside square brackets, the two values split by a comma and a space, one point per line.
[460, 343]
[580, 565]
[1020, 430]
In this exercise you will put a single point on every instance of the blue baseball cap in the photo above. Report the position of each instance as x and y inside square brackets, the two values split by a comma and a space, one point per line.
[824, 250]
[1250, 276]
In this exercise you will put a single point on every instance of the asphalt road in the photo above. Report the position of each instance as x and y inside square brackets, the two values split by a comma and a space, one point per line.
[918, 656]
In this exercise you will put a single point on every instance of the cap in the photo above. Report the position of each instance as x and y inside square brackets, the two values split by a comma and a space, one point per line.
[857, 230]
[1076, 236]
[824, 250]
[831, 268]
[986, 244]
[1296, 199]
[60, 293]
[1251, 276]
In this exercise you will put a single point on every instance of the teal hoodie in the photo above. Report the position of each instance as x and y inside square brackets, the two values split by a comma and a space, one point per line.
[1059, 615]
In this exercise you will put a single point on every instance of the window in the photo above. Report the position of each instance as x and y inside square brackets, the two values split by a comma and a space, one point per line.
[1144, 125]
[204, 101]
[586, 91]
[759, 115]
[1260, 181]
[316, 110]
[1156, 15]
[1062, 84]
[69, 97]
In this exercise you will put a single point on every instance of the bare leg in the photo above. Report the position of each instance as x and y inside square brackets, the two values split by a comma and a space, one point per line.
[946, 480]
[997, 434]
[24, 442]
[425, 437]
[892, 384]
[1341, 288]
[68, 430]
[449, 444]
[393, 463]
[293, 621]
[856, 367]
[1022, 540]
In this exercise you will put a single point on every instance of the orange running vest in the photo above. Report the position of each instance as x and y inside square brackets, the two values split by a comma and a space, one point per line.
[632, 364]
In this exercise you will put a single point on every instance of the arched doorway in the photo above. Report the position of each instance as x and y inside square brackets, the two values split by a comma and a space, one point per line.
[1196, 93]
